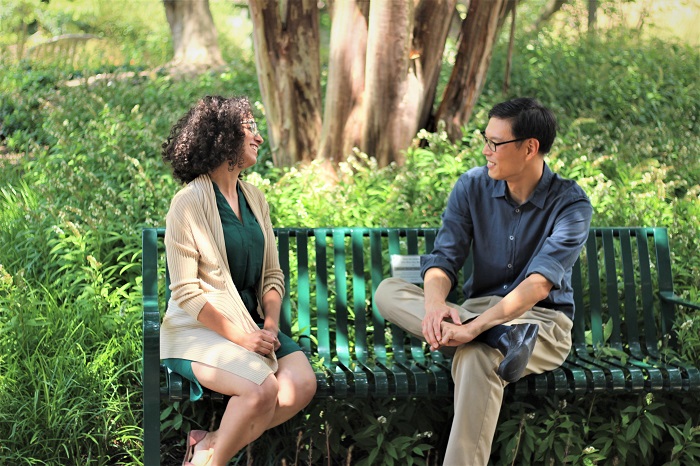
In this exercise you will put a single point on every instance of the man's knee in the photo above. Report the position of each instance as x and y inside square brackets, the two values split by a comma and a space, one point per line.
[385, 295]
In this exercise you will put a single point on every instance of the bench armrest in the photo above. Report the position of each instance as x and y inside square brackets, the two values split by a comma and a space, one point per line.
[671, 297]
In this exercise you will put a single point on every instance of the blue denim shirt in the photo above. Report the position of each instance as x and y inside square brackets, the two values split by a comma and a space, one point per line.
[508, 241]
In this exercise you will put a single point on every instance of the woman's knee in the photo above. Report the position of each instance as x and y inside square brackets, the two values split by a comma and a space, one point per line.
[306, 383]
[297, 381]
[264, 396]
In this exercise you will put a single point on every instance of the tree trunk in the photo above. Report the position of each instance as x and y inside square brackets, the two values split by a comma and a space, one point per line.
[509, 59]
[429, 37]
[343, 112]
[391, 58]
[552, 7]
[194, 35]
[286, 39]
[592, 15]
[390, 117]
[404, 54]
[478, 36]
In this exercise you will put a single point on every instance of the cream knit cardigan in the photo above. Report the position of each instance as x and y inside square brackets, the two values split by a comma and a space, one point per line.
[200, 273]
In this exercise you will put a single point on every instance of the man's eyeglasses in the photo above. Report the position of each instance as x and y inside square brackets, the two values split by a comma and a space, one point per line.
[493, 145]
[252, 127]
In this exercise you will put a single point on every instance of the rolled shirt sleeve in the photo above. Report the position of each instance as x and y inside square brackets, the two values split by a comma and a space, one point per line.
[561, 249]
[453, 241]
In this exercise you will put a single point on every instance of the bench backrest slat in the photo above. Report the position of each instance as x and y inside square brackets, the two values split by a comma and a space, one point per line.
[342, 346]
[286, 311]
[397, 335]
[630, 289]
[647, 292]
[610, 269]
[359, 293]
[376, 254]
[579, 327]
[665, 281]
[321, 307]
[594, 293]
[303, 289]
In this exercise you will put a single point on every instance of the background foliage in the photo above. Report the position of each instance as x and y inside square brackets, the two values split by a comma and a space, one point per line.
[80, 175]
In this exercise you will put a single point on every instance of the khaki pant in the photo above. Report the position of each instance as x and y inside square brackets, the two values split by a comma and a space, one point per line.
[478, 390]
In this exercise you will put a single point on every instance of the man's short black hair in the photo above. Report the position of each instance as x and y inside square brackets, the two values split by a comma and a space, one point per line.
[529, 119]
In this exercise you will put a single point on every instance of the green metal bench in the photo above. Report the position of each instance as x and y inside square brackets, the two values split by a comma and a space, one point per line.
[623, 329]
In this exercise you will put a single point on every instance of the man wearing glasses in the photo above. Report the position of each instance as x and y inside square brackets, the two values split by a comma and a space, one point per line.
[525, 227]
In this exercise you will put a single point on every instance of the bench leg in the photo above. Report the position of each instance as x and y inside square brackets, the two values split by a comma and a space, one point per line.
[151, 410]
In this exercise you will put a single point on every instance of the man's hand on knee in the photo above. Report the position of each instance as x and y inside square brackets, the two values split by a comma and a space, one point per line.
[455, 335]
[433, 320]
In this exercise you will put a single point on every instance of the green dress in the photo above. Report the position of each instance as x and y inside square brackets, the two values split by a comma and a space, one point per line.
[245, 246]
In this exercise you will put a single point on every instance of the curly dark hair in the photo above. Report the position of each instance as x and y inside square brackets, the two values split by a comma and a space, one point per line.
[209, 134]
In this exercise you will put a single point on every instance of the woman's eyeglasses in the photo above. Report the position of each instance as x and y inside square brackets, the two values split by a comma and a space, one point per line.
[252, 127]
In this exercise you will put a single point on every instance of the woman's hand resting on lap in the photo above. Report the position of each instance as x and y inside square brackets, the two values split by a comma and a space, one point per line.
[260, 341]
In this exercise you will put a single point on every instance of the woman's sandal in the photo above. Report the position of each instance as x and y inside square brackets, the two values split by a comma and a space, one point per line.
[193, 438]
[201, 458]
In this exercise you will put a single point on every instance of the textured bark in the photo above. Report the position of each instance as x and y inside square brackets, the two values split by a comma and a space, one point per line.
[478, 35]
[383, 73]
[404, 55]
[511, 42]
[390, 117]
[195, 40]
[432, 25]
[286, 39]
[343, 112]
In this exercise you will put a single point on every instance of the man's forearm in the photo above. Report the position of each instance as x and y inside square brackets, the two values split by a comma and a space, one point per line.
[436, 286]
[532, 290]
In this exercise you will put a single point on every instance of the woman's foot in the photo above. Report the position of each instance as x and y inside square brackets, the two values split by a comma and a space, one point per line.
[201, 458]
[193, 438]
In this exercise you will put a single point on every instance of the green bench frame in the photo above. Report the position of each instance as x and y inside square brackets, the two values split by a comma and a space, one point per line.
[623, 290]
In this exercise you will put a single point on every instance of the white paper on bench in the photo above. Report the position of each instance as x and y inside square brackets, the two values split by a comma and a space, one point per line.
[406, 267]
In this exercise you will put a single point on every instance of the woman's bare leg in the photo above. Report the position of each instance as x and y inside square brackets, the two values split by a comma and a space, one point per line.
[248, 413]
[297, 386]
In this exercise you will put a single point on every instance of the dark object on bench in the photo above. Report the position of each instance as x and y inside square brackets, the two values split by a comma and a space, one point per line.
[623, 329]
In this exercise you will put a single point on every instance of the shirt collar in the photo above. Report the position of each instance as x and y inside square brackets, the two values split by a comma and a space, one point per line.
[538, 197]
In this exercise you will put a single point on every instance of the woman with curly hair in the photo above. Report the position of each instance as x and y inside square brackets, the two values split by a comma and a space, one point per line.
[221, 328]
